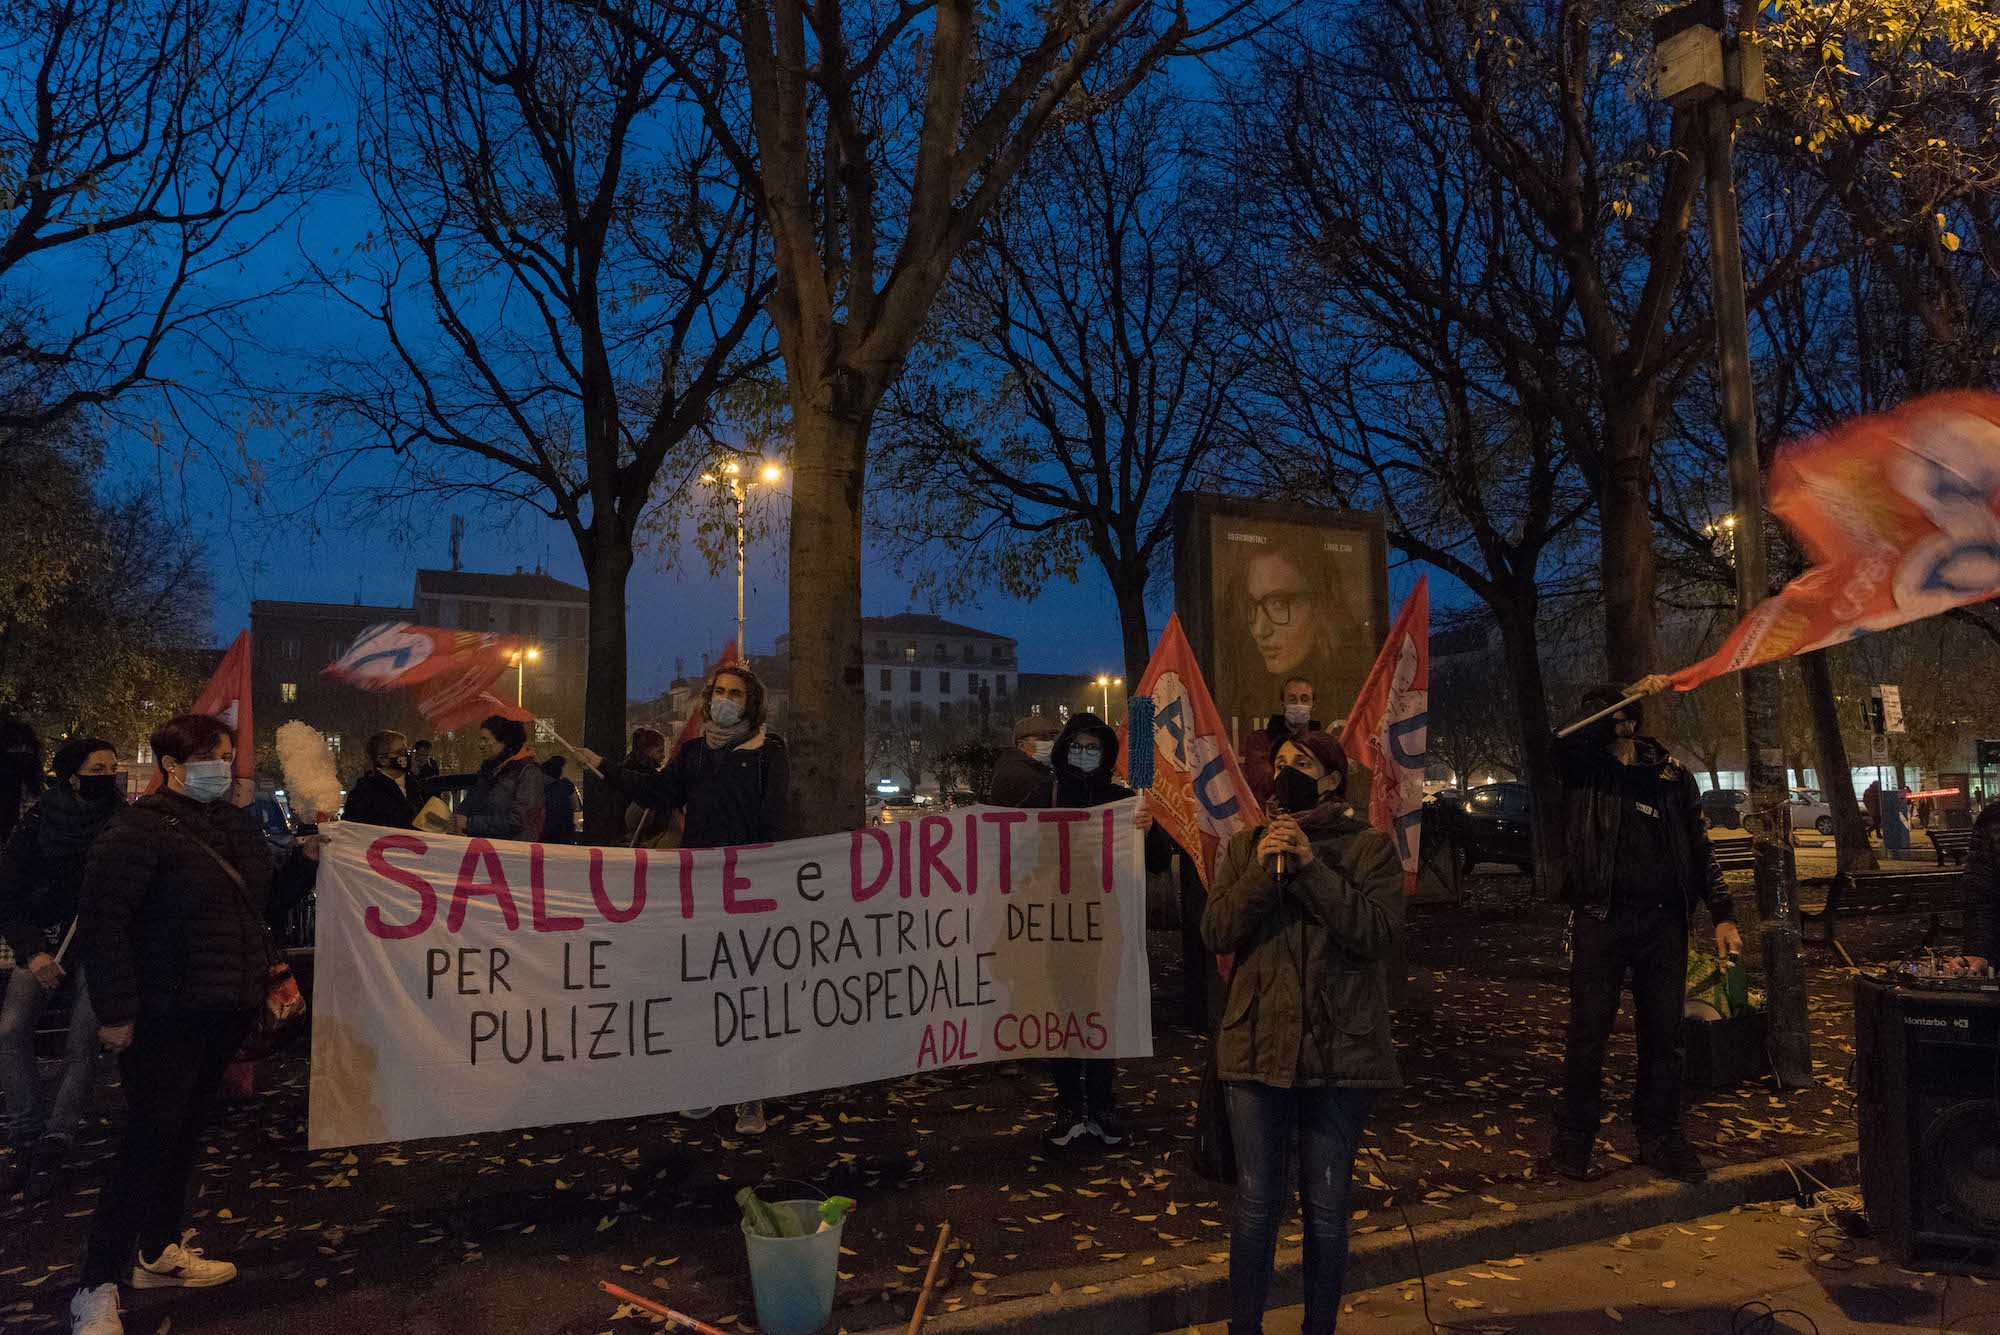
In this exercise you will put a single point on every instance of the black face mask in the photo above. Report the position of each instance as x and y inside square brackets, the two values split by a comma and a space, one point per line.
[1295, 791]
[99, 789]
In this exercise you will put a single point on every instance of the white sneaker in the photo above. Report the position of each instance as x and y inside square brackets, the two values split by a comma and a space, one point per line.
[181, 1267]
[750, 1119]
[696, 1114]
[95, 1312]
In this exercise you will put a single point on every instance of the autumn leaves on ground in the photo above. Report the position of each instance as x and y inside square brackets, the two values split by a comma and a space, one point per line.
[510, 1232]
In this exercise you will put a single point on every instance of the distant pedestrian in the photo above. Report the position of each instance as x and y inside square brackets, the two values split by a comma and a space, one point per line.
[173, 924]
[1294, 721]
[730, 782]
[1024, 773]
[41, 875]
[558, 804]
[1871, 802]
[424, 767]
[1311, 906]
[1639, 864]
[387, 795]
[505, 801]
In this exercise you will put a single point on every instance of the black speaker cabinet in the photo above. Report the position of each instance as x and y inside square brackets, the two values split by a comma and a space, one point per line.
[1928, 1065]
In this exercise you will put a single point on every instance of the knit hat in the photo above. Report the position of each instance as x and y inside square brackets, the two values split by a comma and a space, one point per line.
[1035, 725]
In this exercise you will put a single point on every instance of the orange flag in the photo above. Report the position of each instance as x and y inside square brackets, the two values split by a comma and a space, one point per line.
[1388, 729]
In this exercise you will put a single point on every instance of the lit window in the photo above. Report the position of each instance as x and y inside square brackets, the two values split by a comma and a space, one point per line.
[545, 731]
[288, 692]
[333, 742]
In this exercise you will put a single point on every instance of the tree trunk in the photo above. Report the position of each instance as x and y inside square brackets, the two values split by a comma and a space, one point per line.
[829, 705]
[1130, 590]
[1520, 648]
[610, 562]
[1628, 565]
[1836, 779]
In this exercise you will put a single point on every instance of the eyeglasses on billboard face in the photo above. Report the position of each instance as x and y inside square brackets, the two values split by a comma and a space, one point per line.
[1276, 608]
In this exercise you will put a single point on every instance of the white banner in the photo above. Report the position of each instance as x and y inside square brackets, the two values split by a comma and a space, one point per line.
[466, 985]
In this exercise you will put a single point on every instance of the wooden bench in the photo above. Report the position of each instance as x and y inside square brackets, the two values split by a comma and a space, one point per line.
[1951, 845]
[1877, 893]
[1735, 854]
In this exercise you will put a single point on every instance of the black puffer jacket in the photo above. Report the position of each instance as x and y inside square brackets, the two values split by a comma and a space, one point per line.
[377, 799]
[732, 796]
[1982, 888]
[1590, 776]
[41, 872]
[162, 927]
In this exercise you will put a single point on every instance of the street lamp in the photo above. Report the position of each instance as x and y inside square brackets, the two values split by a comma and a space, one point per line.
[732, 474]
[1106, 683]
[522, 657]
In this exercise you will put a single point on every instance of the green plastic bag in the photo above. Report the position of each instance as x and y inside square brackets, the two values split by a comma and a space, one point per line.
[766, 1222]
[1718, 983]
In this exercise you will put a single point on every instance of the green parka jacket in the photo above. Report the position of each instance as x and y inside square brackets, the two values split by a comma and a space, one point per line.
[1308, 1003]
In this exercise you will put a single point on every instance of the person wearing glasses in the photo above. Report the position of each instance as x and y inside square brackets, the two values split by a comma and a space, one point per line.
[1288, 612]
[386, 795]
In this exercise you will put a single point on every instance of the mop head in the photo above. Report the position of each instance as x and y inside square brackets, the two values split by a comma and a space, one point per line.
[311, 781]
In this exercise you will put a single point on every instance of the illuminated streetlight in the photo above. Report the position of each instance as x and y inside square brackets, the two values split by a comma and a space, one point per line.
[1106, 683]
[522, 657]
[732, 473]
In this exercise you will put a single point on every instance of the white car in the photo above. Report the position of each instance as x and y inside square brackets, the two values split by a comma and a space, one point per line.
[1811, 812]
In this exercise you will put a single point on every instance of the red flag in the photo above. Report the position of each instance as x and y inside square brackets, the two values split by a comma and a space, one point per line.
[1197, 790]
[1900, 515]
[692, 728]
[1388, 728]
[227, 697]
[450, 672]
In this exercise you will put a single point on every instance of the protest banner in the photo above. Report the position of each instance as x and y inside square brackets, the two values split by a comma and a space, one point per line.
[469, 985]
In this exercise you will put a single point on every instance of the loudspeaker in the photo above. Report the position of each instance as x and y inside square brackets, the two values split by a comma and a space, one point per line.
[1929, 1080]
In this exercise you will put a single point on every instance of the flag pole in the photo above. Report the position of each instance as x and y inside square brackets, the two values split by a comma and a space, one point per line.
[1606, 712]
[571, 747]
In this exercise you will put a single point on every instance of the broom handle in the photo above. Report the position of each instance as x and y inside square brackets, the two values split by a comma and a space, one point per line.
[673, 1317]
[930, 1279]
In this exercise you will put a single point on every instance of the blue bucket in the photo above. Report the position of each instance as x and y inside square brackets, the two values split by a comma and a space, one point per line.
[793, 1278]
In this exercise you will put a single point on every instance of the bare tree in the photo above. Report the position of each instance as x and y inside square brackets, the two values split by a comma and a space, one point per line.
[566, 281]
[148, 148]
[884, 137]
[1083, 372]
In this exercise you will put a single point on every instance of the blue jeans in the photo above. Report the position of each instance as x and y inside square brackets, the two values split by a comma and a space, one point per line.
[1323, 1127]
[30, 1115]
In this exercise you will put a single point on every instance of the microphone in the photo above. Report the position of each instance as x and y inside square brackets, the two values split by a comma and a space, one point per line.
[1283, 865]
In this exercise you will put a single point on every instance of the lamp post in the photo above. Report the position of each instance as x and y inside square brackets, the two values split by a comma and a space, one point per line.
[739, 489]
[523, 657]
[1105, 684]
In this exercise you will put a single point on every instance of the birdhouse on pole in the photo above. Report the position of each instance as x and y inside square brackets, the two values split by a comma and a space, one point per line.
[1687, 53]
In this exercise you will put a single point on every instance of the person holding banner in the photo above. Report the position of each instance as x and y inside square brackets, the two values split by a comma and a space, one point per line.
[1639, 862]
[506, 798]
[41, 874]
[173, 927]
[730, 781]
[387, 795]
[1311, 906]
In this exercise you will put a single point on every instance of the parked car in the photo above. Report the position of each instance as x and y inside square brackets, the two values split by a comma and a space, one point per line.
[1724, 807]
[1811, 811]
[1497, 824]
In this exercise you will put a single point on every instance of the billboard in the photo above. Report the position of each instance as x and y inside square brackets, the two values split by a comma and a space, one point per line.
[1268, 591]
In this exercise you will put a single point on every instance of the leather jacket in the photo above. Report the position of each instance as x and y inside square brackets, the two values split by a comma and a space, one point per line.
[1593, 810]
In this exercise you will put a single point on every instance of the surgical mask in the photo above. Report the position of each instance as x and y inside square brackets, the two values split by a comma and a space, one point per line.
[98, 789]
[1044, 749]
[206, 780]
[1295, 790]
[1298, 715]
[1084, 762]
[724, 712]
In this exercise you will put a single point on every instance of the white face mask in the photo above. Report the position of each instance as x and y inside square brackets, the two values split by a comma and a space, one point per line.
[724, 711]
[206, 780]
[1085, 762]
[1044, 749]
[1298, 715]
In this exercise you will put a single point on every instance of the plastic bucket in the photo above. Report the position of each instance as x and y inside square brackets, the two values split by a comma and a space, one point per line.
[793, 1278]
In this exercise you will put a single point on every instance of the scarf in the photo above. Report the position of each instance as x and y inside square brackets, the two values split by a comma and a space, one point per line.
[1321, 818]
[720, 738]
[70, 824]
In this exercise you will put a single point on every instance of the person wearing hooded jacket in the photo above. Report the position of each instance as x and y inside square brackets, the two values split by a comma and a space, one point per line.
[730, 781]
[506, 797]
[41, 874]
[1311, 906]
[1081, 764]
[1639, 864]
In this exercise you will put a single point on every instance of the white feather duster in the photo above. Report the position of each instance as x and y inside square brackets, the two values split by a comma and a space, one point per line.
[311, 781]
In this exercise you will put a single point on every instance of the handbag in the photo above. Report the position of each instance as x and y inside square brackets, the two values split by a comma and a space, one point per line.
[1214, 1145]
[283, 1004]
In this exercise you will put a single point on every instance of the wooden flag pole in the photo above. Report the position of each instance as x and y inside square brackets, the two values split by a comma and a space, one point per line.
[930, 1279]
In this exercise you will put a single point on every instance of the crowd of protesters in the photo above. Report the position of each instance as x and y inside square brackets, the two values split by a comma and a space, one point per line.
[155, 918]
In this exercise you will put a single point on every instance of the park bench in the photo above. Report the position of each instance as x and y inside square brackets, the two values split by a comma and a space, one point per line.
[1951, 845]
[1735, 854]
[1878, 893]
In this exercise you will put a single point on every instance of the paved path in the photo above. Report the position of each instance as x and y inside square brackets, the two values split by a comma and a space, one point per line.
[1689, 1279]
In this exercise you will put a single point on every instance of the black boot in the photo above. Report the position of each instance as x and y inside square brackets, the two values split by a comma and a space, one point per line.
[1570, 1155]
[1671, 1156]
[50, 1154]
